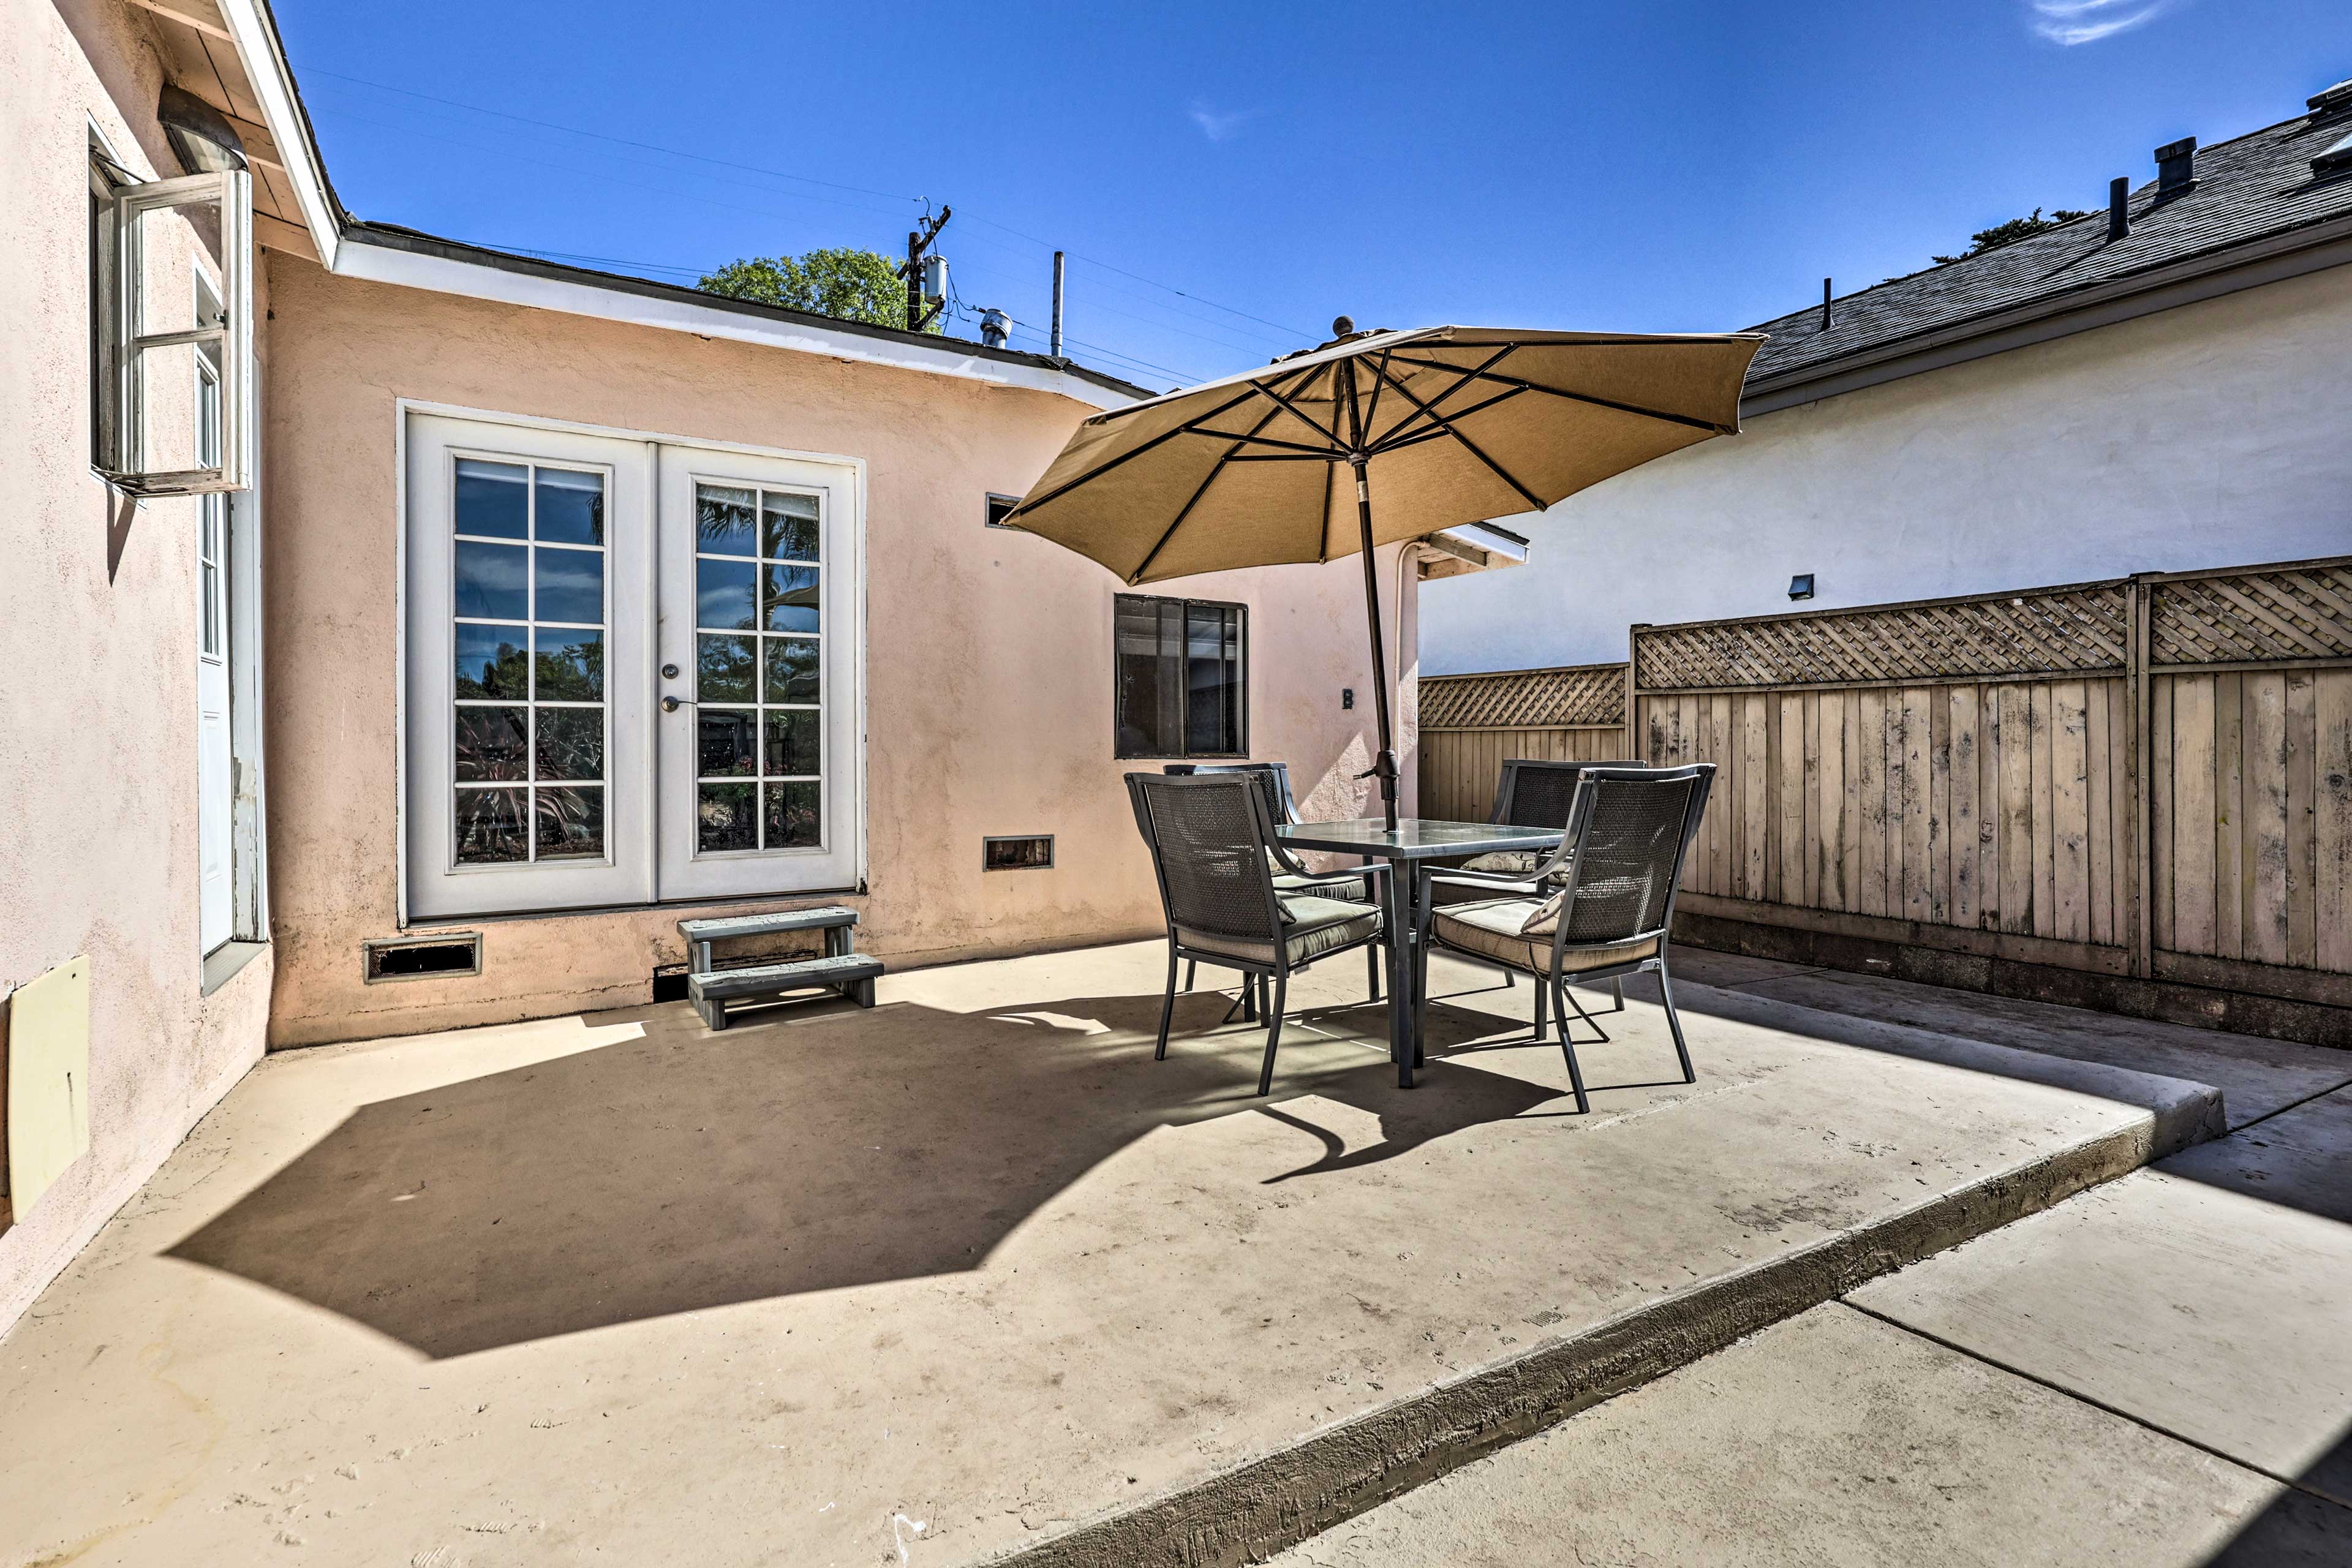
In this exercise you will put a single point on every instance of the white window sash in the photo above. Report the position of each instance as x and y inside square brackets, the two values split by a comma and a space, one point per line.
[230, 335]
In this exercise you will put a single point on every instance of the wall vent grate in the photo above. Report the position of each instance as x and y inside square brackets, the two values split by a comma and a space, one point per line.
[441, 956]
[1033, 853]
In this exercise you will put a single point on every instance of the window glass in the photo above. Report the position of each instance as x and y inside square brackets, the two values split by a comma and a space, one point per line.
[758, 669]
[530, 724]
[1182, 677]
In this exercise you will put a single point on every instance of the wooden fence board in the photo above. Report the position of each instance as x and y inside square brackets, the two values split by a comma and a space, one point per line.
[2264, 844]
[2070, 812]
[2302, 811]
[2193, 800]
[2332, 820]
[1961, 701]
[2232, 877]
[2015, 739]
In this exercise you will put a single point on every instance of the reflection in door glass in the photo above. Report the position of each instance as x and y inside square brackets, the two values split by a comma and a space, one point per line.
[528, 593]
[759, 649]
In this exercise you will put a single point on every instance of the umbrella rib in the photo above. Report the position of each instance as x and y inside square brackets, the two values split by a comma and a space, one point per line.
[1162, 544]
[1290, 408]
[1028, 505]
[1257, 440]
[1392, 441]
[1467, 445]
[1708, 424]
[1461, 379]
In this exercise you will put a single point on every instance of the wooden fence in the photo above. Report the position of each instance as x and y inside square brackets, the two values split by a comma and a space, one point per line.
[2125, 787]
[1469, 723]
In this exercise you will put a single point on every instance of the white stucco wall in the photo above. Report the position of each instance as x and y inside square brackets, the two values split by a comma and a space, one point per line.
[2205, 435]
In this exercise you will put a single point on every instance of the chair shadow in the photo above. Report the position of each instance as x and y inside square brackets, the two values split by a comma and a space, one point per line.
[816, 1151]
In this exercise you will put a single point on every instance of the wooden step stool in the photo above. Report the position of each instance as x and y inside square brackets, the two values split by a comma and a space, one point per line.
[714, 990]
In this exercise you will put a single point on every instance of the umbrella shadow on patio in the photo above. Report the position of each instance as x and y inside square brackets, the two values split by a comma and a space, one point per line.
[822, 1151]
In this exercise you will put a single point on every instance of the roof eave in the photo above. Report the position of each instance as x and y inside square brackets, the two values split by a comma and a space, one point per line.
[2222, 269]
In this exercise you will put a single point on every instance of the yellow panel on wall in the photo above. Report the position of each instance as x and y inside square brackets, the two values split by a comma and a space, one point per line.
[48, 1079]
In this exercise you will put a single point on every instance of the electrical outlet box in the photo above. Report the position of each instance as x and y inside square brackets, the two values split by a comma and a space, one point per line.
[49, 1080]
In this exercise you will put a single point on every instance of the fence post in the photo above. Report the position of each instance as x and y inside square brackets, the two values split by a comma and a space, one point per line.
[2137, 766]
[1635, 747]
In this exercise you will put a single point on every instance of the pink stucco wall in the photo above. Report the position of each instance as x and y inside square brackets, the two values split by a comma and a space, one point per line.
[97, 640]
[988, 667]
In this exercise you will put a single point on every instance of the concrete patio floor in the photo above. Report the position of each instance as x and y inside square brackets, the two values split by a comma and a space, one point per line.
[969, 1276]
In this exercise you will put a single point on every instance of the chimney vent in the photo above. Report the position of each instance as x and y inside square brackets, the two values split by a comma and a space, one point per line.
[995, 327]
[2337, 160]
[2330, 100]
[2175, 168]
[2118, 208]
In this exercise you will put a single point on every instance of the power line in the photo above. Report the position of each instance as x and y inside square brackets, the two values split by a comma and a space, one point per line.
[808, 179]
[622, 141]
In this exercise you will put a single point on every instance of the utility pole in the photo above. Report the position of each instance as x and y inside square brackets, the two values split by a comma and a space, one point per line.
[919, 241]
[1058, 305]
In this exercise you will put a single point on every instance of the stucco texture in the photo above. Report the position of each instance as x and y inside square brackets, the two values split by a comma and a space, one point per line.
[989, 686]
[98, 641]
[2208, 434]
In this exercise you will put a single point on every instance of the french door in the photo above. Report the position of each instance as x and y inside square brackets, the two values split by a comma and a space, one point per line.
[633, 670]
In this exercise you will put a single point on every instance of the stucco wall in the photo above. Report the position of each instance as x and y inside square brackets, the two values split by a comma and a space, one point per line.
[97, 640]
[2204, 436]
[988, 665]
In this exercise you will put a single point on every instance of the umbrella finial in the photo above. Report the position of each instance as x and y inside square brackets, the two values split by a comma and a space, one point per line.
[1342, 326]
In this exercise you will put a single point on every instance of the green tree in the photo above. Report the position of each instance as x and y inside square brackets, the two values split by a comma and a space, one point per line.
[847, 284]
[2012, 231]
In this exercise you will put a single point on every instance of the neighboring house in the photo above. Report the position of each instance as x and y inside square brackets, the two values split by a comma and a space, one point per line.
[2074, 405]
[560, 606]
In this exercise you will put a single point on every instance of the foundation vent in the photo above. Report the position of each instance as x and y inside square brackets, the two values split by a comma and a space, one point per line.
[439, 956]
[1031, 854]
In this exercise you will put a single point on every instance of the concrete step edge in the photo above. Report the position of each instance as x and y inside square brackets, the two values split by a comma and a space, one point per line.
[1265, 1505]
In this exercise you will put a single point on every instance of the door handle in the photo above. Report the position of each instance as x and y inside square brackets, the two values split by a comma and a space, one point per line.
[672, 704]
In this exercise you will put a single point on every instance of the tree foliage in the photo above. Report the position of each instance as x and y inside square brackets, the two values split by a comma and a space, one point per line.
[2012, 231]
[847, 284]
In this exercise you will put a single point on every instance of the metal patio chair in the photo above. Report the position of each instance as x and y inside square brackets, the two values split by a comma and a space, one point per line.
[1627, 831]
[1537, 792]
[1274, 779]
[1214, 853]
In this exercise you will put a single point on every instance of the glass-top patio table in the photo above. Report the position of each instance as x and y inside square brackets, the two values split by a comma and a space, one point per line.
[1413, 839]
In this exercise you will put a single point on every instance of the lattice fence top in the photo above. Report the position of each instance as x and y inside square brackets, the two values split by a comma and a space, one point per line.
[2065, 629]
[2293, 612]
[1525, 699]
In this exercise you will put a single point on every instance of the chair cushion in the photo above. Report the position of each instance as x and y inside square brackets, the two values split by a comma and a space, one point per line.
[1353, 893]
[1317, 926]
[1515, 863]
[1494, 929]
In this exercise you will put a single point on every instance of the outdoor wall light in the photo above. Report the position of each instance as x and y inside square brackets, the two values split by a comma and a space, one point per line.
[1801, 586]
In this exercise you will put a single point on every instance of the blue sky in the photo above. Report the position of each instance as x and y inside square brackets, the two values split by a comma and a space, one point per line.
[1668, 166]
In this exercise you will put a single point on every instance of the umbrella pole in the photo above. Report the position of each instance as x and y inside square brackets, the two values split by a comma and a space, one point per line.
[1385, 763]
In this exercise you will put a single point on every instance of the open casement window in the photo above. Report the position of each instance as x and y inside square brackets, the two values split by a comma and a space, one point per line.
[1182, 678]
[172, 330]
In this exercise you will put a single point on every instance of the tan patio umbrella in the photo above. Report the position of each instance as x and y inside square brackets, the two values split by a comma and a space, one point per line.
[1443, 425]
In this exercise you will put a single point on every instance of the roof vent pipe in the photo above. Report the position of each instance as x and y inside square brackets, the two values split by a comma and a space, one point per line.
[1827, 317]
[2118, 208]
[995, 327]
[2330, 99]
[2175, 168]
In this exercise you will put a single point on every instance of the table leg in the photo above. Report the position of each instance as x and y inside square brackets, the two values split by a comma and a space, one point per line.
[1400, 924]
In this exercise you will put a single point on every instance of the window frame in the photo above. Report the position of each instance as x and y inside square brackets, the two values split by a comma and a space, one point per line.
[121, 386]
[1241, 685]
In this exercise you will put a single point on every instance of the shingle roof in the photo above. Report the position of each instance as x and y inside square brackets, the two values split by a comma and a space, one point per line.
[2258, 186]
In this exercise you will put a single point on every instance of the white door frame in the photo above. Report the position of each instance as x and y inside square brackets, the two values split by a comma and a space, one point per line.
[406, 698]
